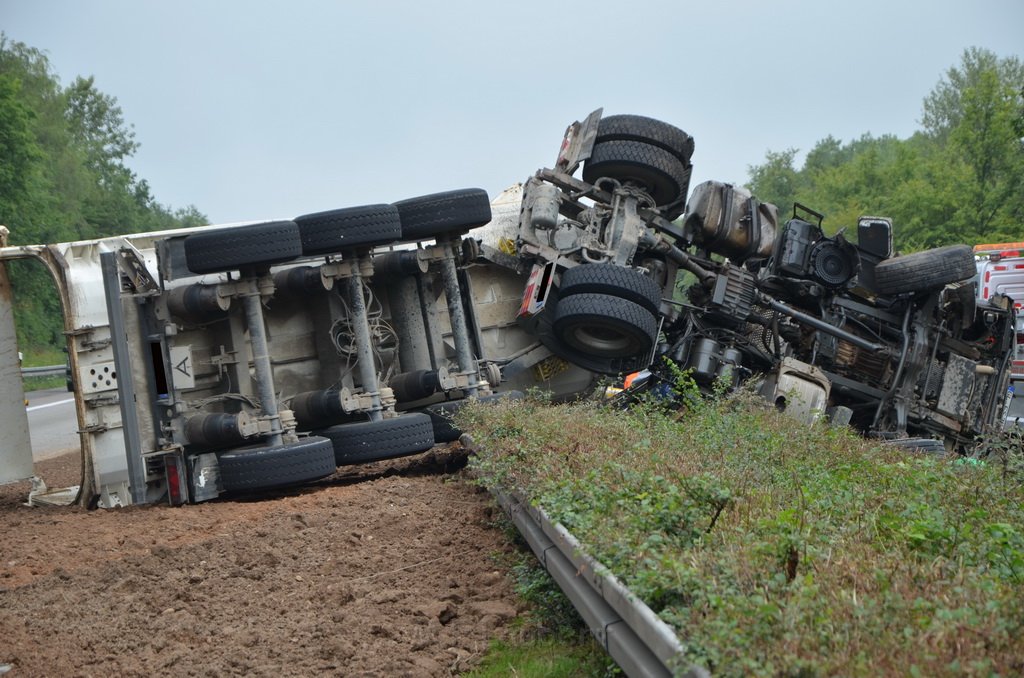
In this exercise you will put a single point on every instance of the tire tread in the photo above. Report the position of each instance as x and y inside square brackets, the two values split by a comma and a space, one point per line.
[927, 270]
[247, 469]
[429, 216]
[237, 247]
[648, 130]
[612, 280]
[337, 230]
[367, 441]
[623, 313]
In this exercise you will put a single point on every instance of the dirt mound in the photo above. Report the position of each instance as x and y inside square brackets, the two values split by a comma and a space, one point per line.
[385, 570]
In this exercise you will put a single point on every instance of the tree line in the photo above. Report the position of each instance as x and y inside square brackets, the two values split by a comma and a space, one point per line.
[63, 178]
[959, 179]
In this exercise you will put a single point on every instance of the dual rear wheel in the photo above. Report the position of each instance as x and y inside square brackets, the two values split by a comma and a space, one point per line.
[605, 319]
[644, 153]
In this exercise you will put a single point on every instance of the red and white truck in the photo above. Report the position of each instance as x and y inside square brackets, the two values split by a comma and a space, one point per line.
[1001, 271]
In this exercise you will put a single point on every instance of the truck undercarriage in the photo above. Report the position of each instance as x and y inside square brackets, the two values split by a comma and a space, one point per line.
[238, 358]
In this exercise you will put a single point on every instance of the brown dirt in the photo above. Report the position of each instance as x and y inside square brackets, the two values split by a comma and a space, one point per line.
[390, 569]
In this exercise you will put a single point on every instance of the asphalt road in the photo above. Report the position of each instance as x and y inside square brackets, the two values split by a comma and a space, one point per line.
[52, 423]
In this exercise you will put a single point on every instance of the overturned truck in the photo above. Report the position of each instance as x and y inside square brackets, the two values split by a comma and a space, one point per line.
[901, 347]
[238, 358]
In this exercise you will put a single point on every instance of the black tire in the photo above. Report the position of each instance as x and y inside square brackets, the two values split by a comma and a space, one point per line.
[336, 230]
[604, 326]
[664, 176]
[649, 131]
[367, 441]
[927, 270]
[445, 430]
[242, 247]
[259, 468]
[458, 211]
[612, 280]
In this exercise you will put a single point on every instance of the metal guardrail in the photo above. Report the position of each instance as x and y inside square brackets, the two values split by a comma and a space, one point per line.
[46, 371]
[636, 638]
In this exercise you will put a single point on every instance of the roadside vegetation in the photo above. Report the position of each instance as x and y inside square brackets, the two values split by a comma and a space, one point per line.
[30, 384]
[775, 548]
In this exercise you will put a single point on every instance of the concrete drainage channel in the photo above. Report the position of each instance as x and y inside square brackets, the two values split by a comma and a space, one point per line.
[634, 636]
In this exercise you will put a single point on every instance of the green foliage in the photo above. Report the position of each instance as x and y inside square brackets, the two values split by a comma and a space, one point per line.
[1005, 448]
[777, 180]
[550, 614]
[17, 144]
[959, 180]
[946, 106]
[776, 548]
[64, 178]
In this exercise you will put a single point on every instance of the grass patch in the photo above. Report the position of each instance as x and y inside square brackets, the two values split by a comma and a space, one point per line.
[775, 548]
[544, 658]
[44, 383]
[42, 356]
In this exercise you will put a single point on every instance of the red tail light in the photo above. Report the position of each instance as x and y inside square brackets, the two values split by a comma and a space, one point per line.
[174, 484]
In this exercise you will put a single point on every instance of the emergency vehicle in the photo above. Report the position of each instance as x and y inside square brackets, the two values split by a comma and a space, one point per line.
[1001, 271]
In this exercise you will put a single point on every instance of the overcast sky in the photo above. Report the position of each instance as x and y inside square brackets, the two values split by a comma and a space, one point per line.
[251, 109]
